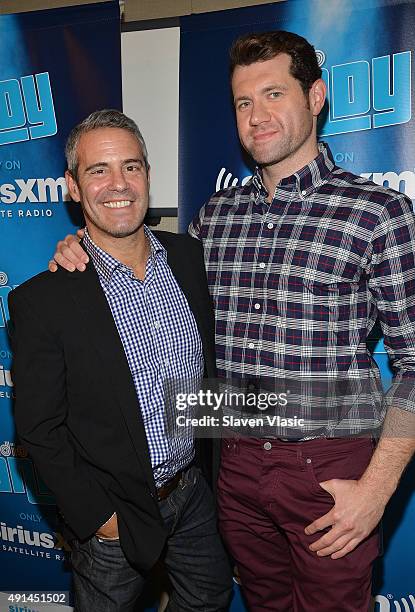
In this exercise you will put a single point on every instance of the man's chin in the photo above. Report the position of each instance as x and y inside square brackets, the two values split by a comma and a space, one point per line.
[120, 231]
[265, 158]
[123, 233]
[269, 162]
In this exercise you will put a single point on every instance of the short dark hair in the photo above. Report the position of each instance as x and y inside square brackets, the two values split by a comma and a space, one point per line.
[106, 118]
[262, 46]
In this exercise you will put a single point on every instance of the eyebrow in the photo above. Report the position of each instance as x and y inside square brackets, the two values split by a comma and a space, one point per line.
[102, 164]
[275, 86]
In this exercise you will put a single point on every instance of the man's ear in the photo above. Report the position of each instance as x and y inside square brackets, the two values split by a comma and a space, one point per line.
[317, 96]
[72, 187]
[148, 176]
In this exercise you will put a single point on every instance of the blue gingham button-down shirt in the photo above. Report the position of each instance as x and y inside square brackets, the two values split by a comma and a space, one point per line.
[299, 281]
[161, 342]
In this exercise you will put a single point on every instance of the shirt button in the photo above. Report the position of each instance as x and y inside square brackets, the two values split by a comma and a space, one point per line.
[157, 324]
[251, 345]
[262, 265]
[267, 446]
[257, 306]
[308, 460]
[270, 225]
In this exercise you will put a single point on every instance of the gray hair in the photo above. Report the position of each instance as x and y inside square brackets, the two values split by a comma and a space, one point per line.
[106, 118]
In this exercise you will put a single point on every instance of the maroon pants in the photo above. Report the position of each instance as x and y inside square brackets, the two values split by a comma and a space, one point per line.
[268, 492]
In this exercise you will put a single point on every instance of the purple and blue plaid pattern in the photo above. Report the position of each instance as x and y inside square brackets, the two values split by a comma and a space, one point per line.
[298, 282]
[161, 342]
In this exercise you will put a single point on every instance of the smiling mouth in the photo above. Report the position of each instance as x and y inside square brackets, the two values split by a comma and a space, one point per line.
[118, 204]
[263, 135]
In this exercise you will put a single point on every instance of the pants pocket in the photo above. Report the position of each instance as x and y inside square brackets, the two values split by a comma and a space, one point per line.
[346, 460]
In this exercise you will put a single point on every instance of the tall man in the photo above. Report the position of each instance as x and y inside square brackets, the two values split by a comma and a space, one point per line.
[92, 355]
[301, 261]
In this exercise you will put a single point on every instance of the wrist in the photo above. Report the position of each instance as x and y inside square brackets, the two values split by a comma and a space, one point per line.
[377, 488]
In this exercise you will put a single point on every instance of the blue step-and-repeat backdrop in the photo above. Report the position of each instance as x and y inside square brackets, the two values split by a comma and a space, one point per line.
[57, 66]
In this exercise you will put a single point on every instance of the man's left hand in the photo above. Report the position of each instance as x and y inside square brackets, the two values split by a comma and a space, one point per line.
[356, 512]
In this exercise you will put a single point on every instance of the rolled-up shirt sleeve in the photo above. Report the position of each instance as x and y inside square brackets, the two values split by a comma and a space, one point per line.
[392, 286]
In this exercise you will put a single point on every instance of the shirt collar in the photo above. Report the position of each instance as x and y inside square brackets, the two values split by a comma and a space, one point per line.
[307, 179]
[105, 264]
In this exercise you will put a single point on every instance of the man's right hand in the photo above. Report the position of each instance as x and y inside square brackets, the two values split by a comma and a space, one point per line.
[69, 254]
[109, 530]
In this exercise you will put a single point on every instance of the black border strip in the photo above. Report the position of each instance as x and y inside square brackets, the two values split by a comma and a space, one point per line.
[150, 24]
[162, 212]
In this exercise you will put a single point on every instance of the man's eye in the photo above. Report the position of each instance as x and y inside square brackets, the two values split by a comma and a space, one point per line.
[243, 105]
[98, 171]
[134, 167]
[275, 94]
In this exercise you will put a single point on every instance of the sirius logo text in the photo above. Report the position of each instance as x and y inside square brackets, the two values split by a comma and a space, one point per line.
[403, 182]
[25, 536]
[26, 109]
[362, 96]
[34, 191]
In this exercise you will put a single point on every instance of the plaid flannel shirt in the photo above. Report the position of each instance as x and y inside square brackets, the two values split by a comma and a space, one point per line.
[299, 282]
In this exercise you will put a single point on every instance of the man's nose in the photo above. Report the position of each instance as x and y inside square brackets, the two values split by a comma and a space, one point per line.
[259, 113]
[118, 180]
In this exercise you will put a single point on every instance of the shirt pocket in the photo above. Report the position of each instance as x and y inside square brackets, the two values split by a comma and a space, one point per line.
[330, 302]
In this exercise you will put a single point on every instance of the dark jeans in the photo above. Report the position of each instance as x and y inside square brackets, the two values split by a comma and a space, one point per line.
[195, 560]
[268, 491]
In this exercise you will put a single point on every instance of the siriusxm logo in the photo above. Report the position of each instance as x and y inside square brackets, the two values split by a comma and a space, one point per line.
[384, 604]
[403, 182]
[26, 109]
[223, 182]
[34, 191]
[362, 96]
[19, 475]
[18, 535]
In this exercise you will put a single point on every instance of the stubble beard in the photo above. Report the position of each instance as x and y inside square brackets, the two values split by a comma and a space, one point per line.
[123, 230]
[280, 151]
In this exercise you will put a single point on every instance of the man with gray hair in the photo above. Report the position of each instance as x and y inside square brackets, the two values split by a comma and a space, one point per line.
[92, 355]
